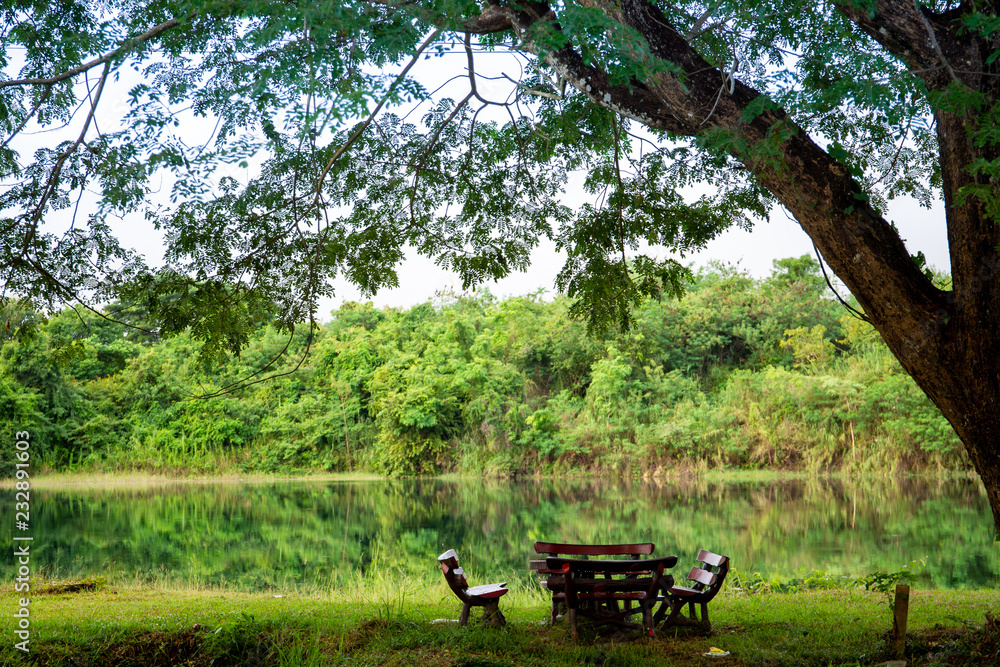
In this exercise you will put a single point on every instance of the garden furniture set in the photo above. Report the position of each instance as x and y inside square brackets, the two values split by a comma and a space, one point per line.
[605, 584]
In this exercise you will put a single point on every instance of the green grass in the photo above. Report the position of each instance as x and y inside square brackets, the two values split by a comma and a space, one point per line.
[378, 621]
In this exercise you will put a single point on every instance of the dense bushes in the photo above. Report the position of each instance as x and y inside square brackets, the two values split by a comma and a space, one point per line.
[739, 372]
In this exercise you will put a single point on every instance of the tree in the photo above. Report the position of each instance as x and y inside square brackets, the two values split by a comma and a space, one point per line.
[827, 109]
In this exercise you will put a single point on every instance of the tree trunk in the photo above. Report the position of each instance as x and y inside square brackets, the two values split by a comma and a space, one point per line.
[981, 444]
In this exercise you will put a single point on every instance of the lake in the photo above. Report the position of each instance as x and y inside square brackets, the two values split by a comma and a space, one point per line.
[288, 535]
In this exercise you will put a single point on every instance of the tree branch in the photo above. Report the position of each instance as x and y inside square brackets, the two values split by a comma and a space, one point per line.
[29, 116]
[110, 55]
[52, 183]
[371, 117]
[927, 43]
[861, 246]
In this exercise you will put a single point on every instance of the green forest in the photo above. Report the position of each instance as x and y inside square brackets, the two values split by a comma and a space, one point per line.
[739, 373]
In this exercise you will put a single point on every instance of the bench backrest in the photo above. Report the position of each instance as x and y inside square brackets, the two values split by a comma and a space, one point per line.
[710, 576]
[453, 574]
[633, 550]
[708, 558]
[567, 565]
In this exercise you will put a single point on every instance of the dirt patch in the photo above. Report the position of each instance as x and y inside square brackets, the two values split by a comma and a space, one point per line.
[958, 648]
[59, 587]
[160, 648]
[362, 636]
[243, 646]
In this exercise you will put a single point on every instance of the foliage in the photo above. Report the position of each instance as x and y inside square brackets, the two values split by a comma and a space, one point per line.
[318, 160]
[740, 372]
[885, 582]
[299, 144]
[310, 140]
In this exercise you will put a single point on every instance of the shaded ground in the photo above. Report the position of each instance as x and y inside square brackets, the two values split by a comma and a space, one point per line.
[256, 646]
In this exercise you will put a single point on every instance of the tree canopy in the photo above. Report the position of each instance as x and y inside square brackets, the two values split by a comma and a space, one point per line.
[828, 110]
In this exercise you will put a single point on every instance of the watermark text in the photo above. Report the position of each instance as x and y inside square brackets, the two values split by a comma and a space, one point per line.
[22, 540]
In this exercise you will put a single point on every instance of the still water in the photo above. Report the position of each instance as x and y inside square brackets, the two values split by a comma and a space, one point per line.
[306, 534]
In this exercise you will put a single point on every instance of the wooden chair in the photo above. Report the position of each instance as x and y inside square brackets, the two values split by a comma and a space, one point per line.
[486, 596]
[707, 583]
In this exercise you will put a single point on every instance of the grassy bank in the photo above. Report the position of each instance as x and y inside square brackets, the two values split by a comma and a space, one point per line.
[385, 622]
[84, 477]
[105, 478]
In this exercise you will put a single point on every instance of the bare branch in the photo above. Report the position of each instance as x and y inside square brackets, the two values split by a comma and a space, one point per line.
[696, 28]
[31, 114]
[53, 181]
[243, 383]
[472, 72]
[934, 41]
[430, 145]
[537, 93]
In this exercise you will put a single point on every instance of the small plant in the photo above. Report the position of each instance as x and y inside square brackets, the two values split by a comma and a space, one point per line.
[885, 582]
[820, 579]
[880, 582]
[752, 584]
[245, 642]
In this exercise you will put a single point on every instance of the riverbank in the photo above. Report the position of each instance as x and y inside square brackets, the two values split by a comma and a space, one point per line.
[384, 622]
[84, 477]
[137, 477]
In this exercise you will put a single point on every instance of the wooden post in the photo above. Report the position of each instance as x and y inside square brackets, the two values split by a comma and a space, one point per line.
[900, 610]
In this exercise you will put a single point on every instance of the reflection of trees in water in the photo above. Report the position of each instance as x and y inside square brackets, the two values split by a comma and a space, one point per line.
[281, 534]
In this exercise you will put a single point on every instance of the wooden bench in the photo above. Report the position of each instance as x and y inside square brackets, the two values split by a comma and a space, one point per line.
[594, 587]
[633, 550]
[486, 596]
[707, 581]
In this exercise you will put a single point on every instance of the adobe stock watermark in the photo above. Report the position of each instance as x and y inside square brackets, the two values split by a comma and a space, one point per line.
[22, 541]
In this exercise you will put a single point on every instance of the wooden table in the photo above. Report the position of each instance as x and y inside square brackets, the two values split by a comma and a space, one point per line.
[595, 587]
[633, 550]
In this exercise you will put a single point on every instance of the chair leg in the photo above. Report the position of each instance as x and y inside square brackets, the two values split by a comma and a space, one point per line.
[572, 621]
[676, 607]
[464, 618]
[704, 616]
[555, 612]
[493, 615]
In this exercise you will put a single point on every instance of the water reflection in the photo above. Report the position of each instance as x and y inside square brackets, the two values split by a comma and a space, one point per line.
[264, 535]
